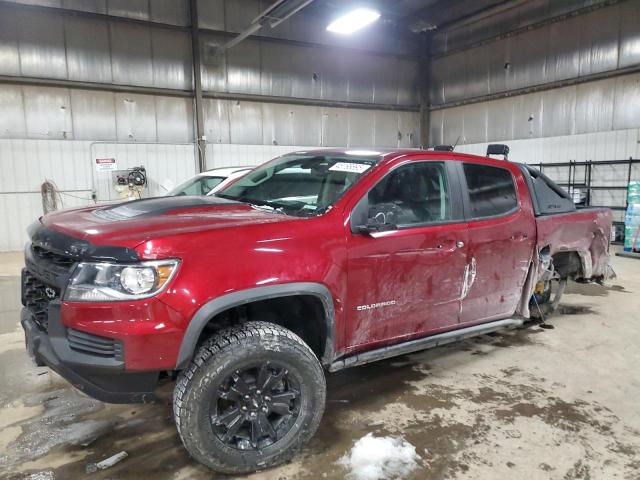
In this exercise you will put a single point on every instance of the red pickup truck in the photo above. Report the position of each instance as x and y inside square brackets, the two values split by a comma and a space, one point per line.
[313, 262]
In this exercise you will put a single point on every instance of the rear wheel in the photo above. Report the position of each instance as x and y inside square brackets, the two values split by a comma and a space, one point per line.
[251, 398]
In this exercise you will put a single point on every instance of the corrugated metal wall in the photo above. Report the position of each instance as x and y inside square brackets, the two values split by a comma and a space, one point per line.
[553, 89]
[605, 40]
[55, 132]
[27, 163]
[604, 105]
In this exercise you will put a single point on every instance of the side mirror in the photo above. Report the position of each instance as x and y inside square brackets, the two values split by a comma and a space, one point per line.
[378, 221]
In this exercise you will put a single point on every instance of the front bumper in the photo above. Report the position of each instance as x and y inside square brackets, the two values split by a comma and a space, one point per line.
[100, 378]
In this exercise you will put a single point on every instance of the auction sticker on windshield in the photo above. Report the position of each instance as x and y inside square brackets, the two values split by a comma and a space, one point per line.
[350, 167]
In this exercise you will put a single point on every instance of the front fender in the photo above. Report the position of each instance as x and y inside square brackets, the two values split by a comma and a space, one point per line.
[218, 305]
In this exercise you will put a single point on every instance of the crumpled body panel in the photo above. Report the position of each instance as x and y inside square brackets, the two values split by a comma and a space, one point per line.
[586, 232]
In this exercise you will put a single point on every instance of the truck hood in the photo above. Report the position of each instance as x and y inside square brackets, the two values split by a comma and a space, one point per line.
[131, 223]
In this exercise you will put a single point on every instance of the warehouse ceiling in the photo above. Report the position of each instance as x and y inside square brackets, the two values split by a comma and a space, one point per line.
[416, 15]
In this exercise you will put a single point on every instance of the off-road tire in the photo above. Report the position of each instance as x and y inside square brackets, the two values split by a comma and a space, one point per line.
[217, 358]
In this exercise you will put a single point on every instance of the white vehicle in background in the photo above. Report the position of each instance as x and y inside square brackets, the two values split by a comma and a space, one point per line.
[209, 182]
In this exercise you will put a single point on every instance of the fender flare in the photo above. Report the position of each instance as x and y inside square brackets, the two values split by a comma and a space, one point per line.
[218, 305]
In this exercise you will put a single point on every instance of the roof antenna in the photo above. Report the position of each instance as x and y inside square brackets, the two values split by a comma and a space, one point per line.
[457, 141]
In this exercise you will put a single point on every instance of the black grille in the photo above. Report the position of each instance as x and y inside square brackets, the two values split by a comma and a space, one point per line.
[36, 296]
[93, 344]
[52, 257]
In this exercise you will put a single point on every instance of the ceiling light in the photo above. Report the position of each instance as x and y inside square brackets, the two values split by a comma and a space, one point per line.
[353, 21]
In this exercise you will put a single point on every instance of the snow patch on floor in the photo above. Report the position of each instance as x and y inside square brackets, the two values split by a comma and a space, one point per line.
[380, 458]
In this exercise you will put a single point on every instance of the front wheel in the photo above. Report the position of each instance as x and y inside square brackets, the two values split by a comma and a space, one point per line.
[250, 399]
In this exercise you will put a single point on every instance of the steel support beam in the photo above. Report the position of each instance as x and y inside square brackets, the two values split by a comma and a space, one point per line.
[168, 92]
[425, 88]
[197, 87]
[526, 28]
[103, 87]
[540, 88]
[310, 102]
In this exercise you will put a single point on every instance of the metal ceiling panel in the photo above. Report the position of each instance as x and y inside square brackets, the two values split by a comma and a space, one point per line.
[214, 65]
[94, 115]
[454, 72]
[277, 127]
[138, 9]
[558, 112]
[499, 64]
[408, 82]
[47, 113]
[527, 116]
[243, 67]
[211, 14]
[44, 3]
[386, 129]
[629, 34]
[361, 128]
[41, 45]
[594, 106]
[9, 57]
[385, 75]
[409, 128]
[135, 118]
[172, 12]
[131, 54]
[437, 81]
[335, 127]
[477, 71]
[12, 119]
[563, 56]
[216, 120]
[307, 125]
[238, 14]
[528, 57]
[534, 11]
[171, 59]
[95, 6]
[245, 122]
[599, 40]
[305, 74]
[439, 43]
[627, 102]
[334, 75]
[361, 77]
[87, 43]
[174, 119]
[276, 64]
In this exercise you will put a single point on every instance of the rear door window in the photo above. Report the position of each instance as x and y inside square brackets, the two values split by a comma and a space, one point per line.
[492, 191]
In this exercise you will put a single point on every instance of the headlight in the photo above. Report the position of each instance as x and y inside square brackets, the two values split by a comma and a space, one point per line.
[107, 282]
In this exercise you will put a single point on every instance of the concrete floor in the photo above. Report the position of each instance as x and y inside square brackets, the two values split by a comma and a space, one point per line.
[535, 403]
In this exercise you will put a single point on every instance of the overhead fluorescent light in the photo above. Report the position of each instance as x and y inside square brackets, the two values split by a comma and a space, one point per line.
[353, 21]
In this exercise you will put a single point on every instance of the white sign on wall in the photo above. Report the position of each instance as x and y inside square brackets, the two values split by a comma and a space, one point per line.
[106, 164]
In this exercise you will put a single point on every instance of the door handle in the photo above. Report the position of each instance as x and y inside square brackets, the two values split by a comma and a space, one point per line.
[519, 237]
[449, 246]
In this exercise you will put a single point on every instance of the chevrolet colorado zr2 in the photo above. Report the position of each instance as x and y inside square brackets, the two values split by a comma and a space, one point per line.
[311, 263]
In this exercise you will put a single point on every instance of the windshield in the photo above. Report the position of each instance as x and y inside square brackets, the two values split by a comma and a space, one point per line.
[196, 186]
[300, 185]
